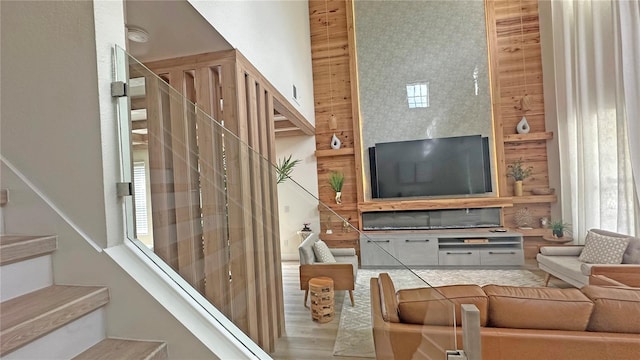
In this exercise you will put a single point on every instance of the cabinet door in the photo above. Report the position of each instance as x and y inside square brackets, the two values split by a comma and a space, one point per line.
[416, 250]
[461, 257]
[501, 257]
[377, 251]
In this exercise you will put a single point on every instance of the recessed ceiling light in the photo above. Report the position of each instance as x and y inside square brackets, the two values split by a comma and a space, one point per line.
[137, 34]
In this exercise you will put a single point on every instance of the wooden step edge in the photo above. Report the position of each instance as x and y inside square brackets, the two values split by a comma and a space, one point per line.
[28, 317]
[14, 248]
[111, 348]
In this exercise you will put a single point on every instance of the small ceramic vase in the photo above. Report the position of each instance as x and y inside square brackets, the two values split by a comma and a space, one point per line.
[338, 197]
[523, 126]
[517, 188]
[335, 142]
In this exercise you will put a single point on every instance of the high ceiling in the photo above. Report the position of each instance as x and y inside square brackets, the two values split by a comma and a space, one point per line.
[175, 29]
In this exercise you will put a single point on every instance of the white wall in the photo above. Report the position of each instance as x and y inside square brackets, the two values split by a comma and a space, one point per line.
[274, 35]
[297, 206]
[50, 118]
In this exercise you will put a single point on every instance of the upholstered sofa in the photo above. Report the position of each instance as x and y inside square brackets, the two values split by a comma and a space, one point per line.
[343, 271]
[563, 262]
[521, 323]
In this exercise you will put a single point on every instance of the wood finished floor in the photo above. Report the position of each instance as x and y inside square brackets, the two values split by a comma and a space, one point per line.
[307, 339]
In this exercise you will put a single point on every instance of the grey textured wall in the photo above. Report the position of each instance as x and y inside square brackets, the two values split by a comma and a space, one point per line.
[439, 42]
[401, 42]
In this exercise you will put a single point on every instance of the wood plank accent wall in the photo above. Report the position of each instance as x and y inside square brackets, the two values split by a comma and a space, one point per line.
[218, 218]
[513, 30]
[516, 64]
[333, 62]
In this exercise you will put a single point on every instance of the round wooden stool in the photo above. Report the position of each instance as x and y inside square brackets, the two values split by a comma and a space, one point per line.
[322, 299]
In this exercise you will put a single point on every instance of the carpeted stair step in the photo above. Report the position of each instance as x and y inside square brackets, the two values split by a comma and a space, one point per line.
[14, 248]
[28, 317]
[109, 349]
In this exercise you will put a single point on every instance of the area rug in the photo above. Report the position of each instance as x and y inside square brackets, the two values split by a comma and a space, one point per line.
[354, 333]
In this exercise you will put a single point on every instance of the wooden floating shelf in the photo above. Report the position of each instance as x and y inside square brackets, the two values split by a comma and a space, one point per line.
[435, 204]
[338, 207]
[332, 152]
[534, 199]
[528, 137]
[351, 235]
[533, 232]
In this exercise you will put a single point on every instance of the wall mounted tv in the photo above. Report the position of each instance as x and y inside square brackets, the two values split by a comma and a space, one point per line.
[431, 167]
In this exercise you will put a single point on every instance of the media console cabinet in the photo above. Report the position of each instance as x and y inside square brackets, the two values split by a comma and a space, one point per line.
[467, 247]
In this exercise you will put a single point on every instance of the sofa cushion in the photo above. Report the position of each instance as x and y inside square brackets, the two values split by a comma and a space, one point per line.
[617, 309]
[538, 308]
[603, 249]
[323, 254]
[632, 255]
[432, 306]
[563, 267]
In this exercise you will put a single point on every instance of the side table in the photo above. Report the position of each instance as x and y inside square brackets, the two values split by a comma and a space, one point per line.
[559, 240]
[322, 299]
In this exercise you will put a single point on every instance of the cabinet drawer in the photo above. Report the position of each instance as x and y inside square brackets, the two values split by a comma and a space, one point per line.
[501, 257]
[459, 257]
[417, 250]
[376, 251]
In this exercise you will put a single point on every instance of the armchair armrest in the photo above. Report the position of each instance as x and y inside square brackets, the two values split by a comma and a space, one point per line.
[628, 274]
[571, 250]
[343, 251]
[342, 275]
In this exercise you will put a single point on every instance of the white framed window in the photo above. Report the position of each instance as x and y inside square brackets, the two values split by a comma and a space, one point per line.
[418, 95]
[140, 198]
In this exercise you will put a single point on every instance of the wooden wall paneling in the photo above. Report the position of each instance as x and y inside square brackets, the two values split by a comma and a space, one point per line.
[212, 187]
[514, 43]
[334, 74]
[185, 180]
[275, 220]
[257, 207]
[244, 313]
[161, 171]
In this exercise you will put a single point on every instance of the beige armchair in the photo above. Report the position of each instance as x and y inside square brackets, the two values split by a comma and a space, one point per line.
[343, 271]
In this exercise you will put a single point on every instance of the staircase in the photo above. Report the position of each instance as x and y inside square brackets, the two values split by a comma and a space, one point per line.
[42, 320]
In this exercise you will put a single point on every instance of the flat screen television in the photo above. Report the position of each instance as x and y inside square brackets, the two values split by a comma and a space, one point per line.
[431, 167]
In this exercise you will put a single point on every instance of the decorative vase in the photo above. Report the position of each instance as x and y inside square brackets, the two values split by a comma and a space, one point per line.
[517, 188]
[335, 142]
[338, 197]
[523, 126]
[558, 233]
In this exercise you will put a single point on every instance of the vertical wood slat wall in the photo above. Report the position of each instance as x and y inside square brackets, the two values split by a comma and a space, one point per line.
[517, 71]
[334, 57]
[219, 226]
[331, 56]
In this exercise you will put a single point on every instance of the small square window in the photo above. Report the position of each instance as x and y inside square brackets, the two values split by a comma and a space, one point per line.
[418, 95]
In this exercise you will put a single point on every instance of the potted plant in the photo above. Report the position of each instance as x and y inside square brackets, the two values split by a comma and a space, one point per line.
[284, 167]
[558, 228]
[518, 173]
[336, 180]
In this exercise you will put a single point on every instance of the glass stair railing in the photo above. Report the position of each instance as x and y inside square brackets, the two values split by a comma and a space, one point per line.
[205, 202]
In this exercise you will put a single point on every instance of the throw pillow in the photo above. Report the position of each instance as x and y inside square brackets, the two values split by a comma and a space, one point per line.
[603, 249]
[323, 254]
